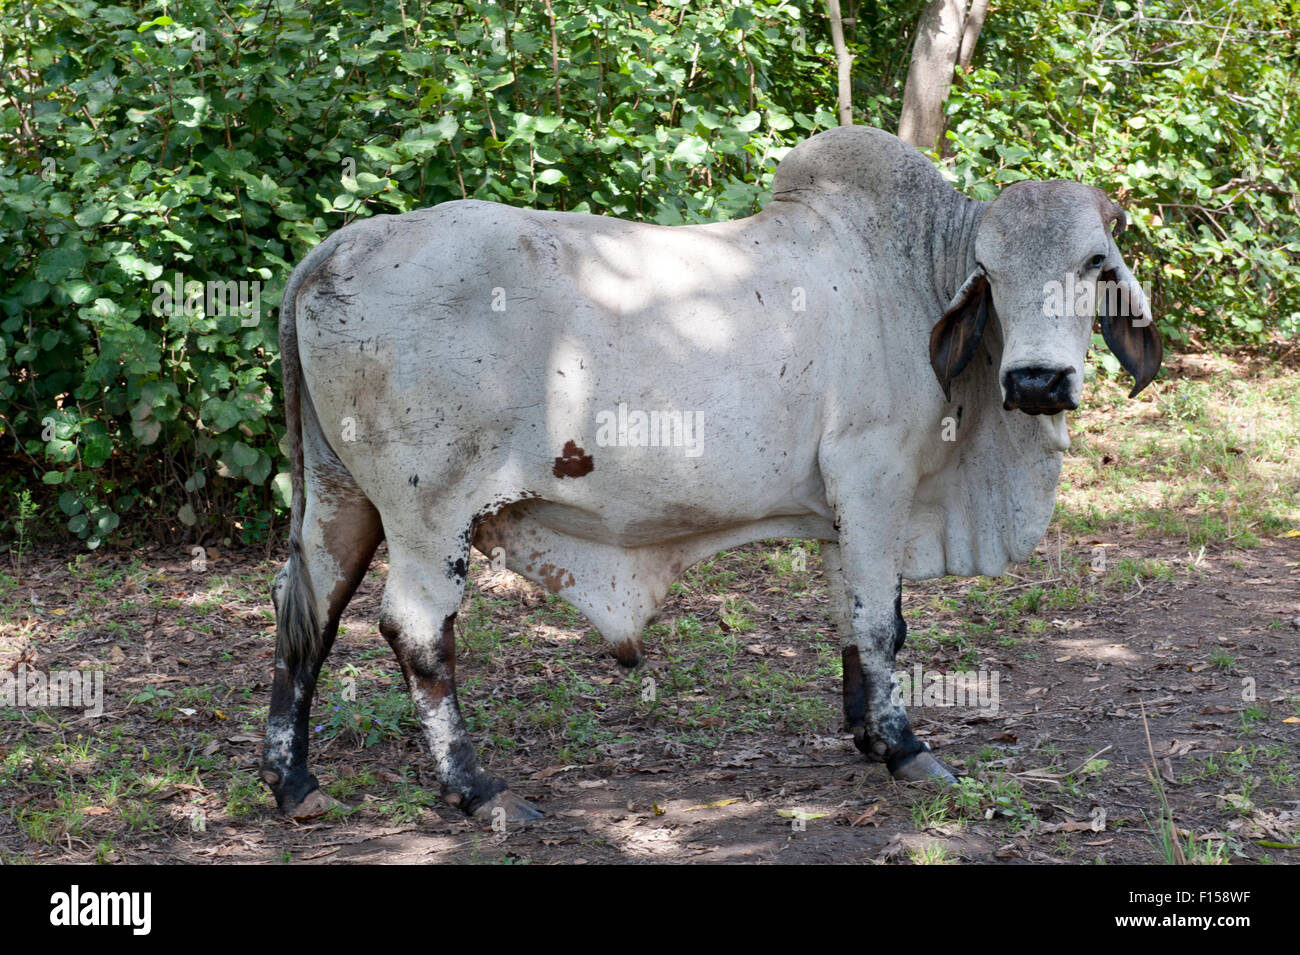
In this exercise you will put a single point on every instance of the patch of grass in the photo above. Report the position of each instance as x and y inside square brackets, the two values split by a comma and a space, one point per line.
[786, 562]
[25, 511]
[408, 805]
[1223, 660]
[930, 812]
[48, 821]
[104, 852]
[998, 796]
[139, 816]
[735, 614]
[772, 696]
[930, 854]
[1208, 852]
[1205, 767]
[1225, 472]
[349, 786]
[1066, 597]
[477, 636]
[372, 717]
[709, 576]
[1130, 571]
[1251, 715]
[244, 797]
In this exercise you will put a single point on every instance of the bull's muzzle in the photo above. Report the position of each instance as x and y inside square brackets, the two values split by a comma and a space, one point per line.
[1038, 390]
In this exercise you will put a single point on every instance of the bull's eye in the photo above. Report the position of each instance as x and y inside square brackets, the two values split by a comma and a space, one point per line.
[1096, 262]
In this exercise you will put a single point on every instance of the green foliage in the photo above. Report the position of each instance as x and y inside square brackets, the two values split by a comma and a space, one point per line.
[1181, 113]
[24, 510]
[145, 143]
[148, 146]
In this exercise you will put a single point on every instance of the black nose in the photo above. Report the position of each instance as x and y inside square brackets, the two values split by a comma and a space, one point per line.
[1038, 390]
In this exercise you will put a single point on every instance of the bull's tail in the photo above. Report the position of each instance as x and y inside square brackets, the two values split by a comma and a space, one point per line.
[298, 635]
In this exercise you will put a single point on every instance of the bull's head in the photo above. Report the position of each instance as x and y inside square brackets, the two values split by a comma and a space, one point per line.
[1047, 266]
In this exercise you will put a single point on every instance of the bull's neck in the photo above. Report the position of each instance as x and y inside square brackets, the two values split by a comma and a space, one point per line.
[957, 253]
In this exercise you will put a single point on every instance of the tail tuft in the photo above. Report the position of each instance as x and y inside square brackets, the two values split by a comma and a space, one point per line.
[298, 636]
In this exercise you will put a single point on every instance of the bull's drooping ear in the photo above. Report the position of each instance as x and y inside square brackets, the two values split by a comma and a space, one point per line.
[1128, 327]
[954, 339]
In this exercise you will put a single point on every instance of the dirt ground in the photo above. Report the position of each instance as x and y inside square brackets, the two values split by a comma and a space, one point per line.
[713, 770]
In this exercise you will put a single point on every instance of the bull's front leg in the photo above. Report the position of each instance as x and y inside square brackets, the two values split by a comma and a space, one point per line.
[864, 570]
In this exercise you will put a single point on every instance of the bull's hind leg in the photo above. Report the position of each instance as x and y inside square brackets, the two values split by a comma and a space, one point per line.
[340, 532]
[426, 579]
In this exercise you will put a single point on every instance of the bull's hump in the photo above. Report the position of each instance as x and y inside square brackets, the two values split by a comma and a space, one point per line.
[860, 159]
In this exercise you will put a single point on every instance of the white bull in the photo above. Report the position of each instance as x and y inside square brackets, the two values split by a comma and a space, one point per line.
[474, 374]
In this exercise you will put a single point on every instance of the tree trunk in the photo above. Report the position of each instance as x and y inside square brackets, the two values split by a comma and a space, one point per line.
[938, 45]
[844, 63]
[979, 9]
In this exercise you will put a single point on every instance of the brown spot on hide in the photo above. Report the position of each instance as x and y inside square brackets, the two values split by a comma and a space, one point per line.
[573, 462]
[554, 578]
[351, 538]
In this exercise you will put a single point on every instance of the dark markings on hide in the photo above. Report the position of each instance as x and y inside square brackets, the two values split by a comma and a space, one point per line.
[959, 407]
[433, 672]
[555, 578]
[759, 297]
[448, 641]
[458, 567]
[900, 625]
[896, 742]
[855, 695]
[413, 480]
[573, 462]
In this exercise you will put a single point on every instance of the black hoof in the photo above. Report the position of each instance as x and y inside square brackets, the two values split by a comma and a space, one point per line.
[298, 796]
[505, 806]
[923, 767]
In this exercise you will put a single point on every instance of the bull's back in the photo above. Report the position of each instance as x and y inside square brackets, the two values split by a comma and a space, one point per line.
[673, 358]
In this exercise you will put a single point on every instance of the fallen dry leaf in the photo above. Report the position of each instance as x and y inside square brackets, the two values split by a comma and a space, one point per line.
[550, 771]
[712, 805]
[866, 817]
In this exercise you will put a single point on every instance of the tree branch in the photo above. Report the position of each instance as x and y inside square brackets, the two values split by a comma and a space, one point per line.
[844, 64]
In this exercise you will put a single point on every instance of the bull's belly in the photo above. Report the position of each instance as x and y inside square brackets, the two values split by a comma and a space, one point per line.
[617, 574]
[623, 525]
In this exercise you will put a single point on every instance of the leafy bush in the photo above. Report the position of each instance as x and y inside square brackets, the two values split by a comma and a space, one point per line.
[150, 146]
[1180, 111]
[145, 144]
